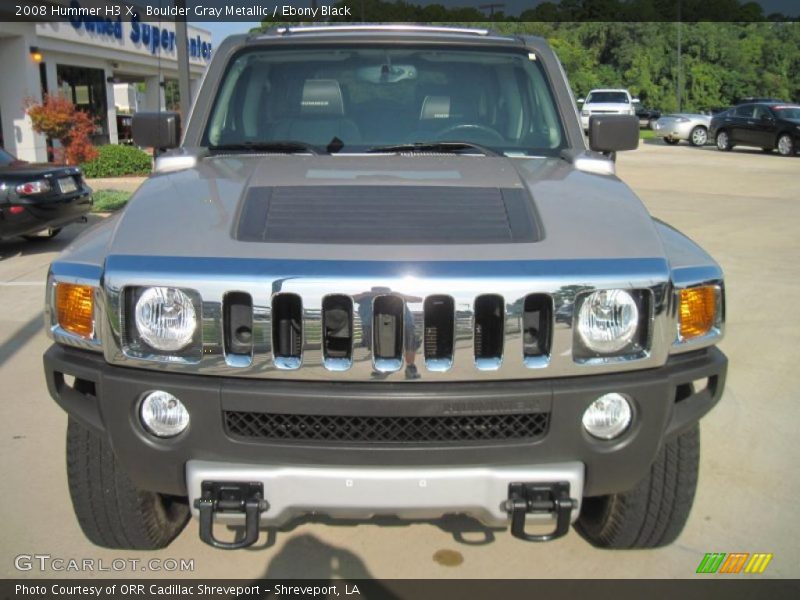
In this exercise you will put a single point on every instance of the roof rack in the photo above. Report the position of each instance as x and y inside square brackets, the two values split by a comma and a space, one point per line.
[375, 27]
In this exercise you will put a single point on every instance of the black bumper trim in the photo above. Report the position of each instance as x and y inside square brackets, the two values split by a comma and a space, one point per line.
[106, 398]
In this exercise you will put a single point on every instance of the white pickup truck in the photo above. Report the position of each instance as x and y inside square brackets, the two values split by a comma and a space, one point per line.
[606, 102]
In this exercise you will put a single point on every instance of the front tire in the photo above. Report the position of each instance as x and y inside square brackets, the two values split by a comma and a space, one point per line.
[654, 512]
[111, 511]
[699, 136]
[724, 141]
[786, 145]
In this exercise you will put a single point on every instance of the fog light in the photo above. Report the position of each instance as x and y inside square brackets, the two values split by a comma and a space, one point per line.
[163, 414]
[608, 416]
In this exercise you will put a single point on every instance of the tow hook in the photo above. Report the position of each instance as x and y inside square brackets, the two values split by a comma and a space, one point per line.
[538, 498]
[231, 497]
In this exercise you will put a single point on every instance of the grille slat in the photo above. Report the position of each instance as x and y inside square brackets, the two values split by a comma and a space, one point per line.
[390, 429]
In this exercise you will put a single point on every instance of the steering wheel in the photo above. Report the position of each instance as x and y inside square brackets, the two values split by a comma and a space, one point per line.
[467, 129]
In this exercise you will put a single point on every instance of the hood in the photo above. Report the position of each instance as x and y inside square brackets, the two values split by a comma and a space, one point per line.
[409, 208]
[608, 106]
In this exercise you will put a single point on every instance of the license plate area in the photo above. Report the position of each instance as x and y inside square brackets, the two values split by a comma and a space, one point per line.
[67, 185]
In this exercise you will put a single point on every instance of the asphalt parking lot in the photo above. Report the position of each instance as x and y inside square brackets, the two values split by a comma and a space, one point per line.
[743, 207]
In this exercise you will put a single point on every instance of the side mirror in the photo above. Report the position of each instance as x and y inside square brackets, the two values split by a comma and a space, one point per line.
[635, 100]
[581, 100]
[613, 133]
[159, 130]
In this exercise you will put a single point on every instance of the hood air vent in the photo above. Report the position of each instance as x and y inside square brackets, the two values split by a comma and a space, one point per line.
[402, 214]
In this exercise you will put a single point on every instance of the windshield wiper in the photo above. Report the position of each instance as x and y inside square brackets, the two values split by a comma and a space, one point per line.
[451, 147]
[282, 146]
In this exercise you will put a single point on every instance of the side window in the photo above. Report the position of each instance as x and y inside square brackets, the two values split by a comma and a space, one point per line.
[744, 112]
[762, 112]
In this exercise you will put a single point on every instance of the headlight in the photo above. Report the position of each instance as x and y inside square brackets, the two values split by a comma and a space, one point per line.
[608, 320]
[165, 318]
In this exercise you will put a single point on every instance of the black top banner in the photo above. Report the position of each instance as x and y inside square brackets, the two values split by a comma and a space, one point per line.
[416, 11]
[400, 589]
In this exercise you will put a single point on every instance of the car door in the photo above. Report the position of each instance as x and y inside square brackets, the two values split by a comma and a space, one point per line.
[740, 125]
[765, 127]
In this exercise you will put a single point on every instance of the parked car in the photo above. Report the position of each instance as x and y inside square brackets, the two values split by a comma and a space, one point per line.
[683, 126]
[606, 102]
[647, 116]
[768, 126]
[38, 200]
[396, 282]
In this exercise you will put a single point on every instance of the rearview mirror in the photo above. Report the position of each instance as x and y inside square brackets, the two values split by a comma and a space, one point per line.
[159, 130]
[613, 133]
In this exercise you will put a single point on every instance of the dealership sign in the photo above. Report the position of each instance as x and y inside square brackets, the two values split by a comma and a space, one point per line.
[155, 38]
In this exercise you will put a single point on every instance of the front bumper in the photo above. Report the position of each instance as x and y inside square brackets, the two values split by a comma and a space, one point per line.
[106, 398]
[366, 492]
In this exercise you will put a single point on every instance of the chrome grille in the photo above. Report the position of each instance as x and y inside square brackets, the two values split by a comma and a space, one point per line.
[437, 309]
[388, 429]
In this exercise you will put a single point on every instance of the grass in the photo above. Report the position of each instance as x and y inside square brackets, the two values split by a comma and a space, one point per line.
[646, 134]
[109, 200]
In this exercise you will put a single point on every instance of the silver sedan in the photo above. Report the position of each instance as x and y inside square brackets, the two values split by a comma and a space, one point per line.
[690, 127]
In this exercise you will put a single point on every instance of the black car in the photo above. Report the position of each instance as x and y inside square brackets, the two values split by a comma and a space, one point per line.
[40, 198]
[647, 116]
[768, 126]
[754, 99]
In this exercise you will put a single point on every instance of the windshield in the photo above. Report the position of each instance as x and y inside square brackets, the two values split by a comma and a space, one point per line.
[5, 158]
[608, 97]
[787, 112]
[370, 97]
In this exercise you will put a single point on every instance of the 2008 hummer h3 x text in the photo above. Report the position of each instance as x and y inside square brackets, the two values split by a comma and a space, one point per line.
[382, 274]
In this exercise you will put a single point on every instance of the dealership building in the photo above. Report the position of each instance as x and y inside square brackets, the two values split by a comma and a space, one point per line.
[85, 58]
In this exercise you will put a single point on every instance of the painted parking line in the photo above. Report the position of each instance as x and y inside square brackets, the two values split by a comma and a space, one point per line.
[21, 283]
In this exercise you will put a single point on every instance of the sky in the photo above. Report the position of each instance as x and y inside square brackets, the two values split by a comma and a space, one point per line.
[222, 29]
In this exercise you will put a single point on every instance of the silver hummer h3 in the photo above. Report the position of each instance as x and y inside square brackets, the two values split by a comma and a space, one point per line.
[379, 272]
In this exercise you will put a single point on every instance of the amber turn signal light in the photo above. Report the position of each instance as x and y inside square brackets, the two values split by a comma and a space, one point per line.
[698, 311]
[75, 308]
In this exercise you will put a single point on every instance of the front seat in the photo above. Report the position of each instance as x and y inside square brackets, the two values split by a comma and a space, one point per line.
[321, 117]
